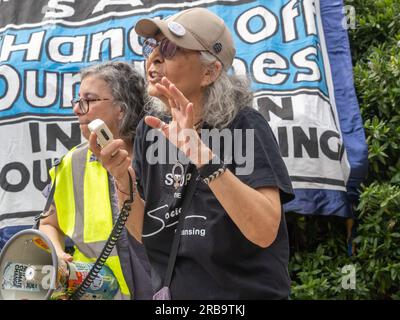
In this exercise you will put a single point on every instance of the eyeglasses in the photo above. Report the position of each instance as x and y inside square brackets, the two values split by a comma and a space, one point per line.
[84, 103]
[167, 48]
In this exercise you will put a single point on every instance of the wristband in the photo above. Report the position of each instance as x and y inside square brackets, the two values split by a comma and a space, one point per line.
[211, 171]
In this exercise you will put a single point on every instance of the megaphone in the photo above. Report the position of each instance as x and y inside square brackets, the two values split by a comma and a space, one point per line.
[31, 270]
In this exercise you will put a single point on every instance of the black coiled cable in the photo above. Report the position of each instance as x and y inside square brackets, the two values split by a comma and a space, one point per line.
[108, 247]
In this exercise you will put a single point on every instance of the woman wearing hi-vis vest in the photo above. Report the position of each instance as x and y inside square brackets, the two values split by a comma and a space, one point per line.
[85, 198]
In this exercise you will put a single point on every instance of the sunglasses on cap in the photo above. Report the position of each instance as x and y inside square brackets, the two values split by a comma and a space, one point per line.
[167, 48]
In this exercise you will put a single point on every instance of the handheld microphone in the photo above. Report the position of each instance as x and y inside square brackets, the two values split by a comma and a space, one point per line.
[104, 135]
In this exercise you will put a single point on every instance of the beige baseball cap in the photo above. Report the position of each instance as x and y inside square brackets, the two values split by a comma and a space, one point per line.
[195, 29]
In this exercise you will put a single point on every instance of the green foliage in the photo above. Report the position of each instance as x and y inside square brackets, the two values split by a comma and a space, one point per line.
[377, 79]
[319, 251]
[317, 272]
[379, 237]
[378, 21]
[383, 149]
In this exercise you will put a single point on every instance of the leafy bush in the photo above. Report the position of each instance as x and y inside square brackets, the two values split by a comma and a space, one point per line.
[320, 244]
[317, 272]
[378, 22]
[377, 82]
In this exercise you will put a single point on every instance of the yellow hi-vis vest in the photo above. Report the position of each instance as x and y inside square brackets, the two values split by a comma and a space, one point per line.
[83, 204]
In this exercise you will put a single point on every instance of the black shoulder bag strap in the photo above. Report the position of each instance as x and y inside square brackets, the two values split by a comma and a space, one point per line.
[187, 197]
[44, 213]
[50, 198]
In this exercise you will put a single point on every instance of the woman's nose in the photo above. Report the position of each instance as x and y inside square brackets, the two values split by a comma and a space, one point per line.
[76, 109]
[155, 56]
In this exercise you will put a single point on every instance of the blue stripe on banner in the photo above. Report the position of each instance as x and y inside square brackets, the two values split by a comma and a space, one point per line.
[351, 124]
[320, 202]
[7, 232]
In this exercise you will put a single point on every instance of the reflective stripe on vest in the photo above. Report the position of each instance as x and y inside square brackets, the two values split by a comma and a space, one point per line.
[83, 206]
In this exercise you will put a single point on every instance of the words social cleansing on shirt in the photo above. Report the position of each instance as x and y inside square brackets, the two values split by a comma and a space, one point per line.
[282, 44]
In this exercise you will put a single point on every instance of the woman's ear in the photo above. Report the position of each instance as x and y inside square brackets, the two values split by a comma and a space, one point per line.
[121, 113]
[211, 73]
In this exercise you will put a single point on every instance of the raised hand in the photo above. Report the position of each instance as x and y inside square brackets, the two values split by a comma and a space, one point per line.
[180, 130]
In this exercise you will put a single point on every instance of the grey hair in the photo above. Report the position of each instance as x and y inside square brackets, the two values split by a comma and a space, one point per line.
[128, 89]
[224, 98]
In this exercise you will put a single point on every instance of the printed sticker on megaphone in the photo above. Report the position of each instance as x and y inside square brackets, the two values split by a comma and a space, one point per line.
[14, 278]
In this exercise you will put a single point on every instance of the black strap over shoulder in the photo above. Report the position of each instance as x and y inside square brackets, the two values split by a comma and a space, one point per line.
[44, 214]
[49, 201]
[187, 197]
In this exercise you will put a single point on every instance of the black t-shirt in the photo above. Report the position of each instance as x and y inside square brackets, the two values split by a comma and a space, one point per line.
[215, 260]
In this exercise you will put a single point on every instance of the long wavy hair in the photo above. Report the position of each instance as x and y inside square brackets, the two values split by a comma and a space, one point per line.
[223, 98]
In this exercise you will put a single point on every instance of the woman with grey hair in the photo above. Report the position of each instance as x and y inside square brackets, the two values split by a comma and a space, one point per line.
[85, 202]
[233, 242]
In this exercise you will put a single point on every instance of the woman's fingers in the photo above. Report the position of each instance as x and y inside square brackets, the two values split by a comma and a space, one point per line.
[153, 122]
[132, 174]
[67, 257]
[165, 82]
[167, 93]
[175, 97]
[114, 157]
[112, 149]
[94, 147]
[156, 123]
[118, 158]
[181, 111]
[163, 90]
[178, 103]
[190, 114]
[172, 93]
[179, 98]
